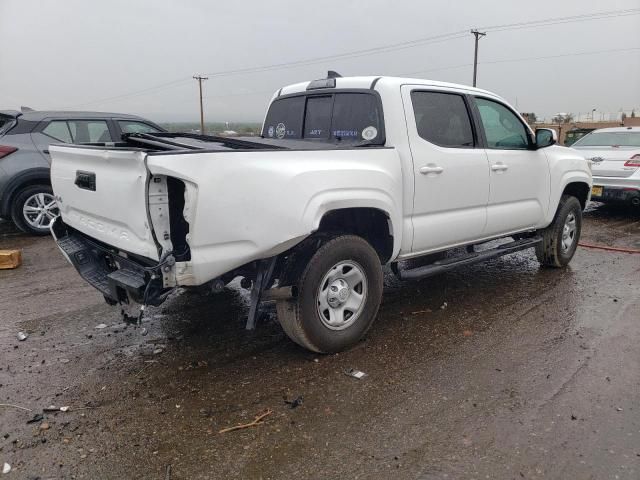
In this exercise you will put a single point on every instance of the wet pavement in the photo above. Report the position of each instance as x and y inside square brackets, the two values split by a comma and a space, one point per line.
[499, 370]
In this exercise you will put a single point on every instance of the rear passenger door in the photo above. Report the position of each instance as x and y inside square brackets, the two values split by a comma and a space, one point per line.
[450, 168]
[520, 178]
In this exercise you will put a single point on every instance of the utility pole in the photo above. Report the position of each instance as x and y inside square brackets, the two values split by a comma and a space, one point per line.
[200, 79]
[478, 35]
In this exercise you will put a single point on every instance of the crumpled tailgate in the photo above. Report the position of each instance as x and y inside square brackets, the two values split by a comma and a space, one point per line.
[103, 193]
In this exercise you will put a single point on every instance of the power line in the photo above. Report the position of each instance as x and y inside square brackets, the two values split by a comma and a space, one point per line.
[522, 59]
[162, 86]
[568, 19]
[353, 54]
[451, 67]
[382, 49]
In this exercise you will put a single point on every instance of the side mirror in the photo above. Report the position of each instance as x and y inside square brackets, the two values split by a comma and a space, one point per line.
[546, 137]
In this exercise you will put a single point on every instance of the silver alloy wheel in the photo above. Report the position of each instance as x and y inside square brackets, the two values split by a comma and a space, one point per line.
[569, 232]
[342, 295]
[39, 210]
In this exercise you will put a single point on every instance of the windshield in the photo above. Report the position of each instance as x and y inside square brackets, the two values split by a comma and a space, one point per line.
[334, 117]
[609, 139]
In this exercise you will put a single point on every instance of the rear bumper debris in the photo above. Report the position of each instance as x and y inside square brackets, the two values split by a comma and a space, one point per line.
[119, 278]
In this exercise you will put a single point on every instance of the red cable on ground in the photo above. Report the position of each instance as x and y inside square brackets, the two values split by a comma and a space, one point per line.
[610, 249]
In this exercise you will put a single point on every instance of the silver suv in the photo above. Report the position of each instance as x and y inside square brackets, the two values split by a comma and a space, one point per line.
[25, 187]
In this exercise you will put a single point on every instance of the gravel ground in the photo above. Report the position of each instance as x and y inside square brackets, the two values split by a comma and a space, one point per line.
[527, 373]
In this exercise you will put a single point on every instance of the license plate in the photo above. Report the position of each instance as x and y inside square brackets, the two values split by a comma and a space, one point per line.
[596, 191]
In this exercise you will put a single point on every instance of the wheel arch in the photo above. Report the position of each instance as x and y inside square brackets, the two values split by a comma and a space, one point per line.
[34, 176]
[578, 189]
[372, 224]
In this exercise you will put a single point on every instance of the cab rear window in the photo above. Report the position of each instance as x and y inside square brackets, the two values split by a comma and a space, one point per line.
[336, 117]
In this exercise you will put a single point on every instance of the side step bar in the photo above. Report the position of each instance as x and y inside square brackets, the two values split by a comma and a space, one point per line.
[447, 264]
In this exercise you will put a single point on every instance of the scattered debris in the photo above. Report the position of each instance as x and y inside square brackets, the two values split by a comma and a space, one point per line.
[36, 418]
[6, 468]
[44, 426]
[258, 420]
[100, 326]
[64, 360]
[418, 312]
[15, 406]
[355, 373]
[618, 409]
[158, 351]
[22, 336]
[467, 333]
[573, 417]
[444, 305]
[144, 331]
[296, 402]
[53, 408]
[10, 259]
[167, 475]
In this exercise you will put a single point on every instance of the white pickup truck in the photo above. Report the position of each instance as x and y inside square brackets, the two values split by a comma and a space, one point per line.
[348, 175]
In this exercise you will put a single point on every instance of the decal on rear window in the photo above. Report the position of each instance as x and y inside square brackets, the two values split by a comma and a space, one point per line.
[369, 133]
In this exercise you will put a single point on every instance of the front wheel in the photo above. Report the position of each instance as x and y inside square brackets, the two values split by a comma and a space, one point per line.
[339, 293]
[560, 239]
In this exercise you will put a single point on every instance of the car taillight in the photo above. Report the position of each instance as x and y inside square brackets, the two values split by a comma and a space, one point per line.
[633, 161]
[5, 150]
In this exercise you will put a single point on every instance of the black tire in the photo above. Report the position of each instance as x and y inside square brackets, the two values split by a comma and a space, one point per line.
[552, 251]
[18, 204]
[301, 318]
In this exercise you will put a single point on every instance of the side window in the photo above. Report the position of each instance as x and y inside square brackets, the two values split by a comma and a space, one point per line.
[89, 131]
[58, 130]
[443, 119]
[129, 126]
[502, 128]
[317, 118]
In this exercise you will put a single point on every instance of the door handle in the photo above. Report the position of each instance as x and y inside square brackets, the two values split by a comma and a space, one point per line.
[499, 167]
[45, 151]
[426, 170]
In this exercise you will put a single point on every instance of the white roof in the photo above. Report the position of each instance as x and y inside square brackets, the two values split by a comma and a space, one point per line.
[366, 82]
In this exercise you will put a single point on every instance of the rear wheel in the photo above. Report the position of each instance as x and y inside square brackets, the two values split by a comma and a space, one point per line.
[560, 239]
[339, 293]
[33, 209]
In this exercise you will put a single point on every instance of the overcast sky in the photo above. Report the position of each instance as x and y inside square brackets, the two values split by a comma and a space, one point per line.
[79, 54]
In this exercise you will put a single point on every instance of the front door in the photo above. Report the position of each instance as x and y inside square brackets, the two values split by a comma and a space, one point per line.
[451, 171]
[520, 179]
